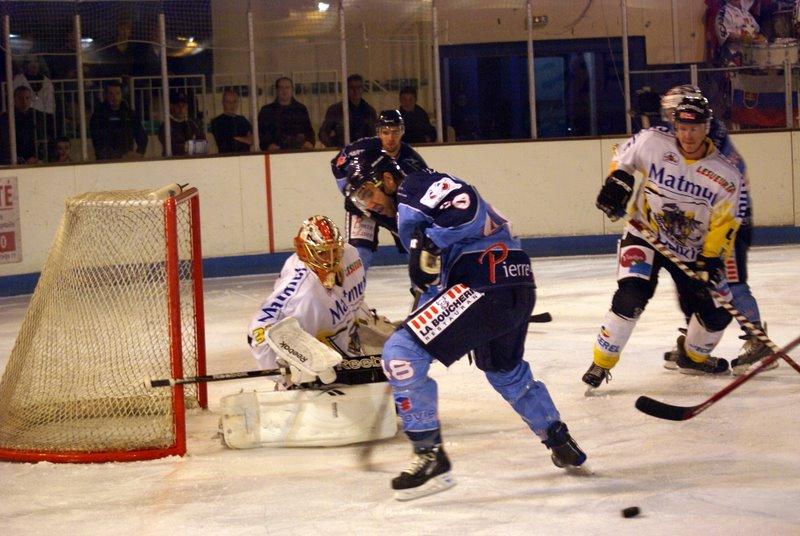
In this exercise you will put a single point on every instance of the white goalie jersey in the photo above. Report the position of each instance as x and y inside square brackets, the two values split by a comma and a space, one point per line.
[692, 205]
[327, 315]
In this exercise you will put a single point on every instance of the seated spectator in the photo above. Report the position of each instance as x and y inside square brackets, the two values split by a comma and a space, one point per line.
[42, 92]
[735, 25]
[363, 117]
[284, 124]
[32, 132]
[418, 124]
[63, 150]
[183, 130]
[233, 132]
[116, 131]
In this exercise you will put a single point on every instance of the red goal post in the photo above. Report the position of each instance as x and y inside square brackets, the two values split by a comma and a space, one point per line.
[119, 301]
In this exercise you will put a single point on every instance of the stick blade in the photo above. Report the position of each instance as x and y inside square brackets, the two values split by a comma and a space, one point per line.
[541, 318]
[661, 410]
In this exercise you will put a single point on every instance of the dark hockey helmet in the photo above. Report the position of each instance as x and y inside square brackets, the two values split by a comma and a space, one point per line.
[367, 171]
[391, 118]
[673, 97]
[694, 110]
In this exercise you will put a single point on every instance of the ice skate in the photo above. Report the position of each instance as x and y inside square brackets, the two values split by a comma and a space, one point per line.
[595, 376]
[428, 473]
[752, 350]
[671, 357]
[565, 452]
[712, 365]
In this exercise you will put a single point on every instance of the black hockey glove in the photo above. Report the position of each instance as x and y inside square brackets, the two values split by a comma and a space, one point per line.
[615, 194]
[710, 277]
[425, 261]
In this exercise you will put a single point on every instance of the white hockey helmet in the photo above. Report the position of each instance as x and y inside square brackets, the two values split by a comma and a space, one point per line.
[673, 97]
[320, 245]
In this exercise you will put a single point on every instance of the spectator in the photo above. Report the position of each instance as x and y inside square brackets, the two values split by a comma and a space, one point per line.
[417, 123]
[183, 130]
[233, 132]
[63, 150]
[127, 56]
[284, 124]
[31, 130]
[734, 25]
[363, 117]
[115, 129]
[42, 91]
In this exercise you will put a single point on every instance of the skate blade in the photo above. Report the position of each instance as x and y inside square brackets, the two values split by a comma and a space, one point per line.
[581, 470]
[594, 392]
[434, 485]
[695, 372]
[670, 365]
[741, 369]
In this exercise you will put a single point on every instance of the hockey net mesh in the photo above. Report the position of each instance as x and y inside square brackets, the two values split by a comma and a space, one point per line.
[97, 326]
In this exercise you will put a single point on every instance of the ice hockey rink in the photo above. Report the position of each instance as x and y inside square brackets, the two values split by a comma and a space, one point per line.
[734, 469]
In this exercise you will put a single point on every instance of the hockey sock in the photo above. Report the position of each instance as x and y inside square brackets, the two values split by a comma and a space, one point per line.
[425, 440]
[699, 341]
[529, 398]
[742, 298]
[613, 336]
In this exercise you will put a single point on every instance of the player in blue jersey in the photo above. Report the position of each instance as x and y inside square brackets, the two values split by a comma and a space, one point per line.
[478, 292]
[735, 265]
[362, 226]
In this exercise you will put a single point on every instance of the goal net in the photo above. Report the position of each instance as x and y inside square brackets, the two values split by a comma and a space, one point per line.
[119, 301]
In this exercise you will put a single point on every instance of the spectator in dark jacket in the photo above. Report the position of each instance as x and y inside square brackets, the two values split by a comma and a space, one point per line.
[363, 117]
[232, 132]
[32, 130]
[116, 131]
[417, 123]
[284, 124]
[182, 128]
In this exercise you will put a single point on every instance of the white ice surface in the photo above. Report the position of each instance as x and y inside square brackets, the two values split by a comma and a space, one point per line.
[735, 469]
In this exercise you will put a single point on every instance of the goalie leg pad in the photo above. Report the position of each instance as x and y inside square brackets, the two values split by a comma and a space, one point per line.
[340, 415]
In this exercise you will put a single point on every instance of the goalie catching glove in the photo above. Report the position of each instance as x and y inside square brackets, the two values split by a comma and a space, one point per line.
[306, 357]
[425, 260]
[615, 194]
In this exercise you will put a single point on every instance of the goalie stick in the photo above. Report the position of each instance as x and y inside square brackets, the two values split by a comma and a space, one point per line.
[671, 412]
[171, 382]
[754, 330]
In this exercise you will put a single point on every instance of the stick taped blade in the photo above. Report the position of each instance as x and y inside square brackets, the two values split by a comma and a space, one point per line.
[660, 410]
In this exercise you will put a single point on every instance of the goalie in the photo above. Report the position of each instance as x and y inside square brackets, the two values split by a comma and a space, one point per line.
[309, 327]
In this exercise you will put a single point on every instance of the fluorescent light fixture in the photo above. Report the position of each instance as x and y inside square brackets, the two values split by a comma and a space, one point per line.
[322, 6]
[13, 36]
[87, 40]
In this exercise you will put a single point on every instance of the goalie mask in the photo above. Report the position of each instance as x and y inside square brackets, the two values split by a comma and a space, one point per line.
[320, 245]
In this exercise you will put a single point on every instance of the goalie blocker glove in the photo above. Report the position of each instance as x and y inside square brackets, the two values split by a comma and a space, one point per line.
[615, 194]
[425, 261]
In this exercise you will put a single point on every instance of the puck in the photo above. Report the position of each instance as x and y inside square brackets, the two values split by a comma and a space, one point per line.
[631, 511]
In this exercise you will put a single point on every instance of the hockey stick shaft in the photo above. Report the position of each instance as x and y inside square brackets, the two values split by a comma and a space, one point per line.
[754, 330]
[671, 412]
[170, 382]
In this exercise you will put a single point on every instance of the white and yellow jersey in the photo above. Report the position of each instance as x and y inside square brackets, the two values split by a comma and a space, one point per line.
[325, 314]
[692, 205]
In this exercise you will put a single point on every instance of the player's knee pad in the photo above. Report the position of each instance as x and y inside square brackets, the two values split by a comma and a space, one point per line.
[631, 297]
[529, 398]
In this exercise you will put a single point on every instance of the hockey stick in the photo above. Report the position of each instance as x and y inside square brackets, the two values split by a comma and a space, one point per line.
[671, 412]
[171, 382]
[754, 330]
[540, 318]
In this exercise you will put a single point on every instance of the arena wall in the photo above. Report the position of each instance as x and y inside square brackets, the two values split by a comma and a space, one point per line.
[252, 205]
